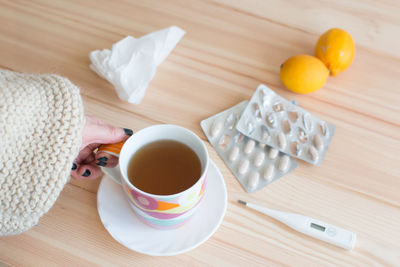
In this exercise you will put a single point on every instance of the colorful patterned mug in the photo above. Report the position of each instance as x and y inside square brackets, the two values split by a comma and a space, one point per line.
[161, 211]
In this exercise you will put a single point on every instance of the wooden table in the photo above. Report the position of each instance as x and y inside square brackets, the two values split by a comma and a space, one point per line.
[229, 49]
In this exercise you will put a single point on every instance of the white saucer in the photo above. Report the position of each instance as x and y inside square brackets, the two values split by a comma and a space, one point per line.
[124, 226]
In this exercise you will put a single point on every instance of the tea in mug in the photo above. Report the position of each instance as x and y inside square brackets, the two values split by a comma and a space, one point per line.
[164, 167]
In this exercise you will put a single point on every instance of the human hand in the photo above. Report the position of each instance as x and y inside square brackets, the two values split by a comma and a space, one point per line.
[95, 133]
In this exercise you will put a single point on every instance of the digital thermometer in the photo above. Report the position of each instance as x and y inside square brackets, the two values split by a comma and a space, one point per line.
[317, 229]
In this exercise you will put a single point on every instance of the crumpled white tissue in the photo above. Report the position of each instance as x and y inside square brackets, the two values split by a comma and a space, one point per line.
[132, 63]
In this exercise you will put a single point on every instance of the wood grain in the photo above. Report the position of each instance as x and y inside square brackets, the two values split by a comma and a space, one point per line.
[230, 47]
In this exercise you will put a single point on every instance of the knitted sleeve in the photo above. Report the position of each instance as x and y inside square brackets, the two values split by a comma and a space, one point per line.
[41, 122]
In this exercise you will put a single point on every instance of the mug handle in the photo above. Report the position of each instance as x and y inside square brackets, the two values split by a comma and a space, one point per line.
[112, 149]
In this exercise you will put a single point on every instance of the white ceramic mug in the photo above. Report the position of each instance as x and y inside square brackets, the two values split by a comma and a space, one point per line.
[161, 211]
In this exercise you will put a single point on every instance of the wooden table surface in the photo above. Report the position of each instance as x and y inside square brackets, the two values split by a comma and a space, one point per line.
[229, 49]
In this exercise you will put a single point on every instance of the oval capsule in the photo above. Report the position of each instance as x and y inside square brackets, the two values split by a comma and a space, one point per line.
[284, 163]
[264, 133]
[233, 155]
[313, 153]
[282, 140]
[259, 159]
[273, 153]
[216, 128]
[253, 180]
[318, 142]
[295, 148]
[244, 166]
[269, 172]
[249, 146]
[224, 141]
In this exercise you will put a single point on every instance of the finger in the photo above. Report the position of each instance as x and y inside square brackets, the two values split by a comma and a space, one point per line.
[97, 131]
[85, 156]
[89, 159]
[106, 160]
[74, 167]
[87, 172]
[86, 152]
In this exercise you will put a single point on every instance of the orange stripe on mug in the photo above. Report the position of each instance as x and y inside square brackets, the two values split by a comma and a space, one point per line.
[166, 206]
[114, 149]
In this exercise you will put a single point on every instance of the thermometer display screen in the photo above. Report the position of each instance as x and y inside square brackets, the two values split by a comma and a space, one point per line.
[318, 227]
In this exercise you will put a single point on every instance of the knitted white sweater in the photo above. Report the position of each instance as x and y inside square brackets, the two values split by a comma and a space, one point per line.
[41, 121]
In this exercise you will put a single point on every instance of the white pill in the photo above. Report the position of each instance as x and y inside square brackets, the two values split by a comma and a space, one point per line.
[273, 153]
[269, 172]
[314, 153]
[224, 141]
[259, 159]
[282, 140]
[244, 166]
[253, 180]
[284, 163]
[234, 154]
[264, 133]
[318, 142]
[296, 148]
[216, 128]
[249, 146]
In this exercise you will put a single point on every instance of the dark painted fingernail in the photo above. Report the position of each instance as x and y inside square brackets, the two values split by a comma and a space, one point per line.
[102, 159]
[101, 163]
[86, 173]
[74, 166]
[128, 131]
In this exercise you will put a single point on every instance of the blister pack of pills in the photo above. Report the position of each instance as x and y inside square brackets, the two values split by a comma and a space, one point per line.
[272, 120]
[254, 164]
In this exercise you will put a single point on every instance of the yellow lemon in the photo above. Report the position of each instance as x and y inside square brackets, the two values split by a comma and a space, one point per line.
[303, 74]
[336, 49]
